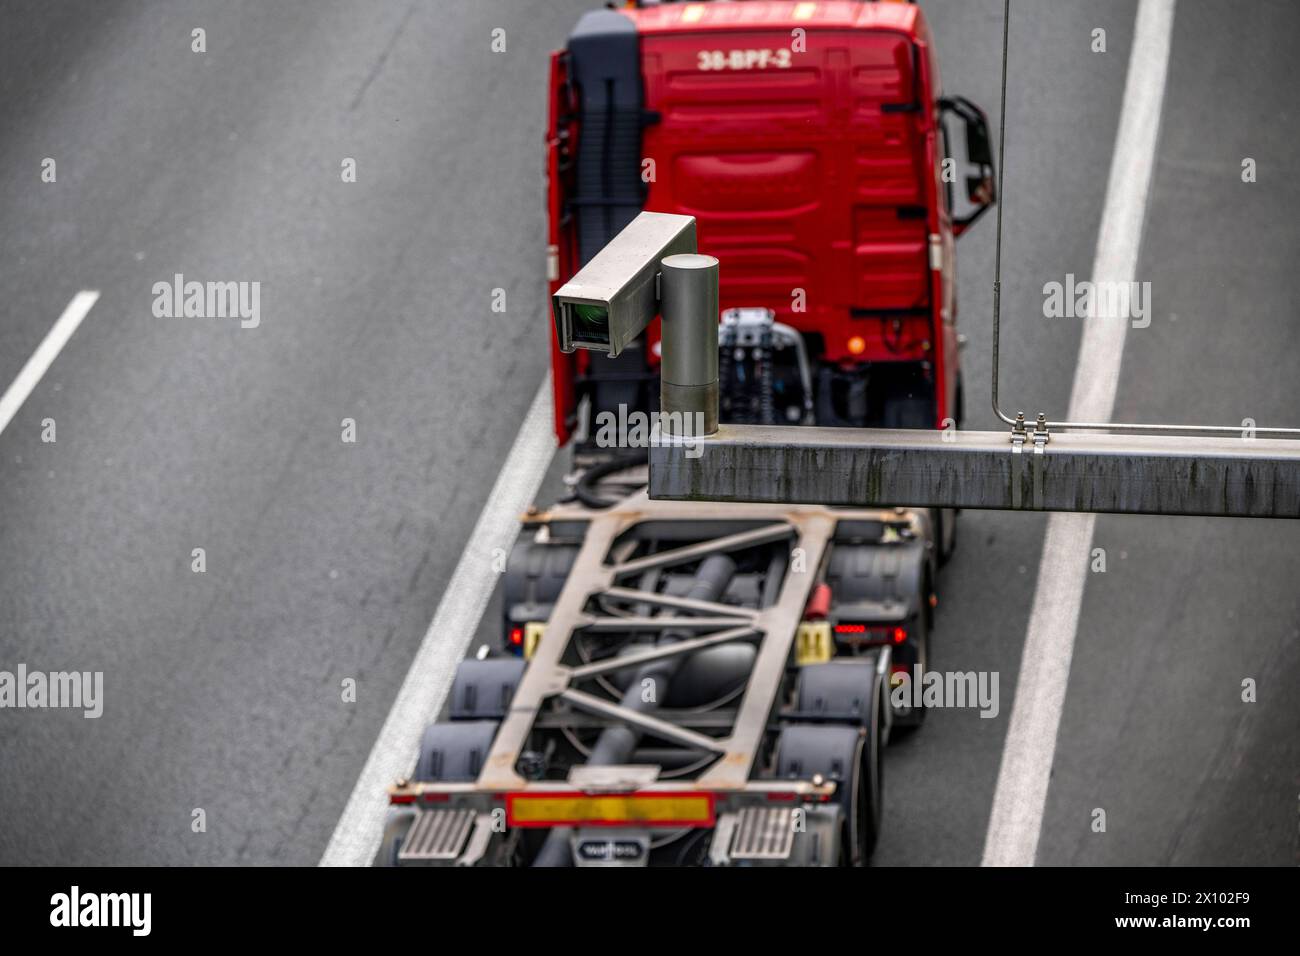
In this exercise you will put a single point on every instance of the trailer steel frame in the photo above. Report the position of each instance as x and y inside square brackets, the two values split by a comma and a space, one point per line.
[599, 572]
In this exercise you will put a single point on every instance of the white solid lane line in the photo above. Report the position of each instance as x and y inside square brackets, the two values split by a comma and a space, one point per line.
[357, 835]
[1021, 794]
[44, 356]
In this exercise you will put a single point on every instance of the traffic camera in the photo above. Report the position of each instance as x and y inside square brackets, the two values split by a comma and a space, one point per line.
[616, 295]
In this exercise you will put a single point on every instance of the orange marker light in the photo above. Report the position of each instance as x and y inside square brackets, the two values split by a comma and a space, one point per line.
[857, 345]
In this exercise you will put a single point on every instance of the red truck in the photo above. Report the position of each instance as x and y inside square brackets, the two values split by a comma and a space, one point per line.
[688, 683]
[809, 141]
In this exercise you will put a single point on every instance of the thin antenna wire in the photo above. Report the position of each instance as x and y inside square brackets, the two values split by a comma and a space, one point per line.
[1002, 178]
[997, 300]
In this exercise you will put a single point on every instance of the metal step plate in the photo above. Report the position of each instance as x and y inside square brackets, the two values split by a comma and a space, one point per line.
[436, 835]
[763, 833]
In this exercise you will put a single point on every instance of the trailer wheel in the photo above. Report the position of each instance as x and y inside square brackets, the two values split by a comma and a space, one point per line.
[851, 757]
[945, 533]
[449, 753]
[396, 827]
[913, 719]
[483, 689]
[454, 752]
[873, 791]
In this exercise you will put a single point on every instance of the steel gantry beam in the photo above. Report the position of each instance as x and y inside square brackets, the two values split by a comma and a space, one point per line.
[1025, 471]
[1047, 466]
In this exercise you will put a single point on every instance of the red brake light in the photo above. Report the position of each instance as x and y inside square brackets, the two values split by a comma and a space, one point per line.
[850, 628]
[517, 636]
[900, 635]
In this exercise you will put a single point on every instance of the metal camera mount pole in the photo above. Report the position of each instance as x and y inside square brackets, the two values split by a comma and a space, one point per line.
[688, 390]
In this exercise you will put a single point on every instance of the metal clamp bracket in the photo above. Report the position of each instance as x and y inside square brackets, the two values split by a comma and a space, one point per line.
[1020, 436]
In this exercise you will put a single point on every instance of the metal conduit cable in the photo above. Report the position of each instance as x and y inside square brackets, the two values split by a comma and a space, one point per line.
[997, 307]
[585, 489]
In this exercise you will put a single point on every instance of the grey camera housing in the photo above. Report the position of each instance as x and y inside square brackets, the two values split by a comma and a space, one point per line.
[622, 279]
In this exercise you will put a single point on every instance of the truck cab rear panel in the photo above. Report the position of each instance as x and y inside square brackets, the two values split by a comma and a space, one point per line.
[805, 139]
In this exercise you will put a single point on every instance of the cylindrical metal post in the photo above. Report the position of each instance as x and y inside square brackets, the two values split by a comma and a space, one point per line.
[688, 390]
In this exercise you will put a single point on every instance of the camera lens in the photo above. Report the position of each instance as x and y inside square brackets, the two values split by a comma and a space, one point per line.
[590, 323]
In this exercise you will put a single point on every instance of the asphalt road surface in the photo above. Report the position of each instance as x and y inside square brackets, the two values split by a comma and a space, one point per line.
[325, 559]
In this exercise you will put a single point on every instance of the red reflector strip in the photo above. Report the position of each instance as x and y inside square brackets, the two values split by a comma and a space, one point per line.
[401, 798]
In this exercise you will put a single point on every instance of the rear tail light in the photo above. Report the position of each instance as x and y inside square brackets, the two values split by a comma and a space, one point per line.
[870, 634]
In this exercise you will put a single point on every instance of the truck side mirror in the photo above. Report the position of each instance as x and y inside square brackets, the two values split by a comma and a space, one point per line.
[978, 150]
[981, 189]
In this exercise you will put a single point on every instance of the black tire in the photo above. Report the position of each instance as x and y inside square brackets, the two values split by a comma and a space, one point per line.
[873, 794]
[483, 689]
[454, 752]
[851, 757]
[945, 533]
[449, 753]
[395, 829]
[844, 691]
[910, 722]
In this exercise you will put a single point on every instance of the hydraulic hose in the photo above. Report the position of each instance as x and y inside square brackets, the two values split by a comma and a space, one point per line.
[586, 486]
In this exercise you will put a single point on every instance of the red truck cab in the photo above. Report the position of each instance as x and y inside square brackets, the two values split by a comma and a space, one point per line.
[808, 140]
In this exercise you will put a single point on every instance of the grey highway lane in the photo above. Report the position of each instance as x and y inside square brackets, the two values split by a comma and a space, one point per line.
[326, 559]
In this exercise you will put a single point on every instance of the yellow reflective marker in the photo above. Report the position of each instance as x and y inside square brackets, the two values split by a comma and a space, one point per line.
[533, 632]
[813, 643]
[594, 810]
